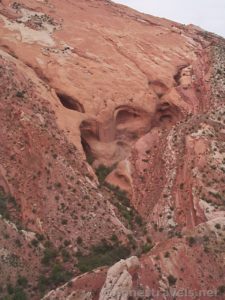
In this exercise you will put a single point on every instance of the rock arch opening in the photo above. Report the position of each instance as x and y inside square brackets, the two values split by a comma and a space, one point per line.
[70, 103]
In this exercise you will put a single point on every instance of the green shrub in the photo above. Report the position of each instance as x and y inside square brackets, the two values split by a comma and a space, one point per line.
[64, 221]
[34, 242]
[19, 294]
[20, 94]
[59, 275]
[191, 241]
[217, 226]
[43, 283]
[79, 240]
[40, 237]
[18, 243]
[22, 281]
[102, 172]
[120, 195]
[114, 238]
[66, 243]
[146, 248]
[101, 255]
[10, 289]
[122, 202]
[171, 279]
[90, 158]
[127, 214]
[49, 255]
[65, 255]
[138, 220]
[16, 293]
[167, 254]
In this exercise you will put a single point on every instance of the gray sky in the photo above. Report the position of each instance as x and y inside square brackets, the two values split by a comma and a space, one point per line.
[208, 14]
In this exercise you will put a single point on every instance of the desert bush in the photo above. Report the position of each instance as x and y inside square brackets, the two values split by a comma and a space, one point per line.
[102, 172]
[101, 255]
[146, 248]
[171, 279]
[49, 255]
[191, 241]
[59, 275]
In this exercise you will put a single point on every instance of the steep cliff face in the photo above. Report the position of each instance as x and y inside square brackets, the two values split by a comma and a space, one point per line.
[112, 145]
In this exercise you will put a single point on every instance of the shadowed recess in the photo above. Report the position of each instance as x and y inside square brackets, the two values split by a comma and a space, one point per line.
[70, 103]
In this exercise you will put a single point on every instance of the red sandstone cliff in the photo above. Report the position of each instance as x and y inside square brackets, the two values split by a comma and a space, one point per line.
[87, 87]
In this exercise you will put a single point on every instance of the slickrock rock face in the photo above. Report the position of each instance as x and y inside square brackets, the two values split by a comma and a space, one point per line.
[119, 280]
[112, 154]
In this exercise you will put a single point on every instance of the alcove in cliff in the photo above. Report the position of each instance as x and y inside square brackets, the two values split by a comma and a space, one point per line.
[70, 103]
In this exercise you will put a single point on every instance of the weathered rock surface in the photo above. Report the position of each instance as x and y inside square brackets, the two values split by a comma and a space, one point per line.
[88, 83]
[119, 281]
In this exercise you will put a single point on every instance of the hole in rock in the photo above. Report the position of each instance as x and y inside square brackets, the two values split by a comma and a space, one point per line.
[166, 115]
[70, 103]
[177, 76]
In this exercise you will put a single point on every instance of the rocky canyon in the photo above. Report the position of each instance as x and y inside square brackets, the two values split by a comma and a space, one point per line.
[112, 154]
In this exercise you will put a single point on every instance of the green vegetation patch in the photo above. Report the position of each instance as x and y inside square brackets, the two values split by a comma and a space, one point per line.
[102, 255]
[102, 172]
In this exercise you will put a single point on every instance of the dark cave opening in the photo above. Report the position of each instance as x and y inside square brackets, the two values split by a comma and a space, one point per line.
[177, 76]
[70, 103]
[124, 116]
